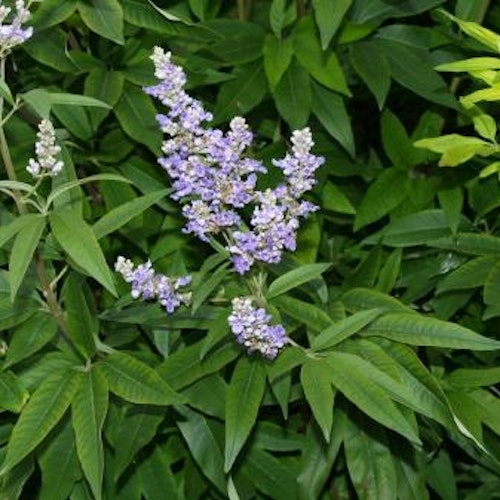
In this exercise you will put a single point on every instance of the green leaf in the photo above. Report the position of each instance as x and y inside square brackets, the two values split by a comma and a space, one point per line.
[483, 35]
[274, 477]
[381, 197]
[471, 274]
[136, 382]
[474, 377]
[243, 399]
[52, 12]
[205, 289]
[359, 299]
[105, 85]
[370, 462]
[277, 58]
[471, 11]
[344, 329]
[472, 64]
[349, 376]
[105, 17]
[329, 109]
[119, 216]
[68, 186]
[81, 315]
[322, 66]
[305, 313]
[411, 70]
[415, 229]
[136, 115]
[10, 230]
[317, 460]
[137, 429]
[469, 243]
[451, 201]
[5, 92]
[203, 446]
[334, 199]
[241, 94]
[79, 242]
[238, 42]
[293, 96]
[42, 412]
[49, 48]
[30, 337]
[59, 464]
[66, 99]
[154, 485]
[295, 278]
[277, 16]
[405, 384]
[317, 386]
[88, 411]
[23, 249]
[389, 272]
[14, 481]
[396, 142]
[328, 17]
[12, 394]
[456, 149]
[373, 68]
[414, 329]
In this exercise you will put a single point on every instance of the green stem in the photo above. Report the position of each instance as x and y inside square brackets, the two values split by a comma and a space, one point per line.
[22, 208]
[243, 9]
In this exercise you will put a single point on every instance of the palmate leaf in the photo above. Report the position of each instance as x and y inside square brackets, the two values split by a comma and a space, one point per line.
[243, 399]
[30, 337]
[105, 17]
[42, 412]
[270, 475]
[203, 446]
[370, 462]
[419, 330]
[12, 394]
[295, 278]
[59, 465]
[349, 375]
[317, 460]
[137, 429]
[318, 390]
[155, 485]
[119, 216]
[78, 240]
[136, 382]
[401, 384]
[22, 252]
[88, 411]
[345, 328]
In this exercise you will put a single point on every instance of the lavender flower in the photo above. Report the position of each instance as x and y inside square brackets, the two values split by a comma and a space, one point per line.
[252, 329]
[46, 150]
[14, 34]
[148, 285]
[214, 179]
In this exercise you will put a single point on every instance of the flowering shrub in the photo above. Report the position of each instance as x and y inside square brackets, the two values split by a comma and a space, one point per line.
[286, 318]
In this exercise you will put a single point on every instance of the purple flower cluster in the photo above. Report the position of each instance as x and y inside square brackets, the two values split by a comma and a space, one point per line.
[14, 34]
[252, 329]
[214, 180]
[148, 285]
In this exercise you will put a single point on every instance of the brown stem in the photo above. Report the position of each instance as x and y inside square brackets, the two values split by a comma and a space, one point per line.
[301, 8]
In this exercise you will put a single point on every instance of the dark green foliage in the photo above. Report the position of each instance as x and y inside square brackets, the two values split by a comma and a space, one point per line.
[392, 299]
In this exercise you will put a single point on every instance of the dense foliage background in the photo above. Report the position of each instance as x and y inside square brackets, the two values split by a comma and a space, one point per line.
[392, 297]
